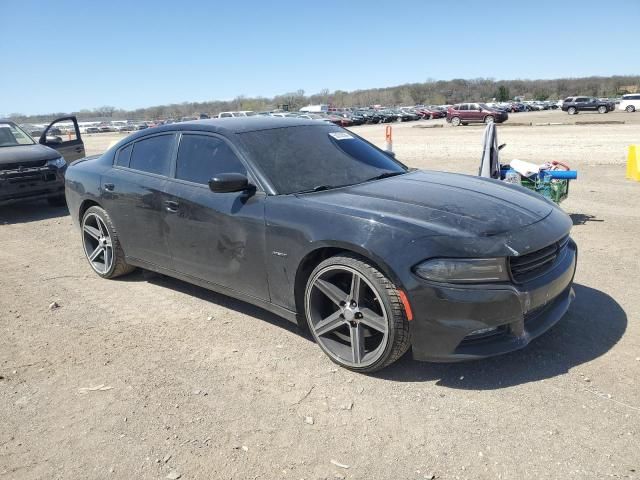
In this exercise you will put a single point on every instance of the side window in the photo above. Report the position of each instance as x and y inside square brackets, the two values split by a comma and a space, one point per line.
[581, 99]
[201, 157]
[464, 106]
[123, 156]
[225, 115]
[153, 154]
[568, 99]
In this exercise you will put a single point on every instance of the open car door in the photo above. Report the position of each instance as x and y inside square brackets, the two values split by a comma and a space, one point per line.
[63, 135]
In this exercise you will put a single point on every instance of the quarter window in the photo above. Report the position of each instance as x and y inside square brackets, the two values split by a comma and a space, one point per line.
[153, 155]
[124, 155]
[202, 157]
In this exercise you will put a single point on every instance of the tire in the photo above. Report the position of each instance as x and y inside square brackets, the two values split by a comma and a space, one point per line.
[630, 109]
[455, 121]
[602, 109]
[374, 314]
[489, 119]
[572, 110]
[97, 231]
[59, 201]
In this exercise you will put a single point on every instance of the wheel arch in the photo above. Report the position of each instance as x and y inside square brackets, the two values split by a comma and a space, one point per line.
[84, 206]
[322, 252]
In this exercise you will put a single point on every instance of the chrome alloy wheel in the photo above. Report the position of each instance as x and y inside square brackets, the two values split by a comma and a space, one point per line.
[97, 243]
[347, 317]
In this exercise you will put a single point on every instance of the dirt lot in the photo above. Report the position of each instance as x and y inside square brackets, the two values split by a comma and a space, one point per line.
[200, 385]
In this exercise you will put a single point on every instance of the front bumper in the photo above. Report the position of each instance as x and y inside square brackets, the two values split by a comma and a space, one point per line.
[446, 316]
[31, 184]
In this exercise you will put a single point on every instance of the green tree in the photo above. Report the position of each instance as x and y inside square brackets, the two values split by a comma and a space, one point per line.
[503, 94]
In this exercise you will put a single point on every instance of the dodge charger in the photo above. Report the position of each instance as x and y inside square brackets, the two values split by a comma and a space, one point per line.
[312, 222]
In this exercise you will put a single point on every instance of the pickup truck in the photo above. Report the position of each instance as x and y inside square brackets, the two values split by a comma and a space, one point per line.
[33, 171]
[573, 105]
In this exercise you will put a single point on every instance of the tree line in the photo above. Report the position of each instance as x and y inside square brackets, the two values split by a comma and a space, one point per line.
[430, 92]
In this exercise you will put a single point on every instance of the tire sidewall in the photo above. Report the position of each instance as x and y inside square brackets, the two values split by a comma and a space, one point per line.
[353, 263]
[107, 222]
[455, 121]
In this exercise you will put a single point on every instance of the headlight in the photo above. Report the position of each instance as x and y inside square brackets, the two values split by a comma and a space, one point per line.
[56, 162]
[463, 270]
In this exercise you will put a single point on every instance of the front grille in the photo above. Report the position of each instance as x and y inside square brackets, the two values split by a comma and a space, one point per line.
[532, 265]
[18, 165]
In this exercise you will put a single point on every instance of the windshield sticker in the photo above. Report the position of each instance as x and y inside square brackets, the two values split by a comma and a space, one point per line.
[340, 135]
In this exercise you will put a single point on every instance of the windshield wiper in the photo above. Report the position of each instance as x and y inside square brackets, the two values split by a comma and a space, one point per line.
[385, 175]
[317, 188]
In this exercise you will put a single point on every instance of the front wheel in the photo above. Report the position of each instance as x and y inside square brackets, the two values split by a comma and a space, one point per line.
[101, 245]
[602, 109]
[488, 119]
[355, 314]
[630, 108]
[455, 121]
[571, 110]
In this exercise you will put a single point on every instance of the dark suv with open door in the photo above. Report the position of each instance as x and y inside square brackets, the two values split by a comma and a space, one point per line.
[32, 171]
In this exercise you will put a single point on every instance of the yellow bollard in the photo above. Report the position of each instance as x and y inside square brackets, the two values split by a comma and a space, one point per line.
[633, 163]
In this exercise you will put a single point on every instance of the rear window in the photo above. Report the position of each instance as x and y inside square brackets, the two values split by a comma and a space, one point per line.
[301, 158]
[153, 155]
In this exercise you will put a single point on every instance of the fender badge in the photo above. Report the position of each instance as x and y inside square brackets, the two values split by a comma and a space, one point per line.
[279, 254]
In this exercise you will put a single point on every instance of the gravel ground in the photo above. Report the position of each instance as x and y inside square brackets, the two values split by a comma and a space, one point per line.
[149, 377]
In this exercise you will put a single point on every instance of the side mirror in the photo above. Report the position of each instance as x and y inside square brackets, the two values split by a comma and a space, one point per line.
[229, 182]
[52, 140]
[500, 147]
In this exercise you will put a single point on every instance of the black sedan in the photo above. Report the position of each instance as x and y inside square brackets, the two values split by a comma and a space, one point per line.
[310, 221]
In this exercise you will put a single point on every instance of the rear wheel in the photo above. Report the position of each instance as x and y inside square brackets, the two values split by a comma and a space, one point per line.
[630, 108]
[571, 110]
[455, 121]
[602, 109]
[101, 245]
[489, 119]
[355, 314]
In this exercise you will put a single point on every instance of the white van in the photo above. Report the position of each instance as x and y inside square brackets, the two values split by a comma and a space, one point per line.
[630, 102]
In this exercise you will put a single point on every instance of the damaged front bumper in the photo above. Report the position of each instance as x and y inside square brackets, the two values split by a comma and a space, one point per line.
[456, 323]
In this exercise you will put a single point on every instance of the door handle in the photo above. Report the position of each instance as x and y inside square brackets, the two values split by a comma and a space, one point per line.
[171, 206]
[109, 187]
[78, 149]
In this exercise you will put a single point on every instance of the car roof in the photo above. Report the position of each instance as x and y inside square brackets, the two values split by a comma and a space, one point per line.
[232, 125]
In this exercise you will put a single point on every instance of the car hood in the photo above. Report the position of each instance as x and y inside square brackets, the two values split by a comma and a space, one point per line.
[439, 203]
[26, 154]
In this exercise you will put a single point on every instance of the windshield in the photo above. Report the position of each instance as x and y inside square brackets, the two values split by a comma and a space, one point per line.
[12, 135]
[298, 159]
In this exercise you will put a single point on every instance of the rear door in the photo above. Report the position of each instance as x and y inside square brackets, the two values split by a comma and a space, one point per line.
[63, 135]
[133, 193]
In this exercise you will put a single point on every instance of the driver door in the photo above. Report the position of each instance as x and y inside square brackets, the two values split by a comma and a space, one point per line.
[216, 237]
[63, 135]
